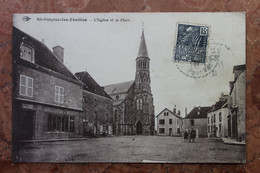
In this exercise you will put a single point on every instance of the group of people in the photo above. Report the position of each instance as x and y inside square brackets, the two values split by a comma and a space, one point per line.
[189, 135]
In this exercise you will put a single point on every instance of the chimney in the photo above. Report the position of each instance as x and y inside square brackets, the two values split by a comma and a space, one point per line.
[174, 109]
[185, 112]
[199, 111]
[58, 51]
[179, 112]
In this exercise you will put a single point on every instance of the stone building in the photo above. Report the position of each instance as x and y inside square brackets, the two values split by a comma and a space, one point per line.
[133, 109]
[97, 106]
[197, 120]
[169, 123]
[217, 118]
[237, 104]
[47, 97]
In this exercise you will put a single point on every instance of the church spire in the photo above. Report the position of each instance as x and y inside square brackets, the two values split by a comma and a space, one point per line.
[142, 49]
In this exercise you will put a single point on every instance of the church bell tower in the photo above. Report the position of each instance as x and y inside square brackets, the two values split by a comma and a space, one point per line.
[142, 76]
[143, 95]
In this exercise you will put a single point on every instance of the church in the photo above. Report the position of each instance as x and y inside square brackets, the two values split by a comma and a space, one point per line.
[133, 109]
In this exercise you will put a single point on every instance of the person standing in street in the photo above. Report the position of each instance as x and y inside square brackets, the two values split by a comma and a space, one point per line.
[186, 136]
[193, 135]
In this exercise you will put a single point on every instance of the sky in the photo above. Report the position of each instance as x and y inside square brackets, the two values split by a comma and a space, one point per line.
[106, 45]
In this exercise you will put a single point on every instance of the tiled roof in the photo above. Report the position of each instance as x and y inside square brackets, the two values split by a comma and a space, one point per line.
[118, 88]
[90, 84]
[118, 102]
[219, 105]
[170, 112]
[198, 112]
[43, 55]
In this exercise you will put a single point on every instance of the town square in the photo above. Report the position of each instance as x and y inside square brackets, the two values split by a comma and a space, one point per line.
[138, 96]
[148, 149]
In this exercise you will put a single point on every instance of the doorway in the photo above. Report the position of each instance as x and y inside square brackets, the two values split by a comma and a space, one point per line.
[139, 127]
[26, 124]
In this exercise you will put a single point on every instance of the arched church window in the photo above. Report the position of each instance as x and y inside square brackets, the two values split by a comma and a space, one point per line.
[144, 64]
[137, 104]
[141, 104]
[140, 86]
[116, 115]
[139, 64]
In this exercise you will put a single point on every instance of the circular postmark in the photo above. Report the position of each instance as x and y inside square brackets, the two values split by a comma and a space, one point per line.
[200, 70]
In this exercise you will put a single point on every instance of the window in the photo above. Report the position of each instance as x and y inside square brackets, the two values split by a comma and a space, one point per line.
[139, 86]
[107, 118]
[220, 128]
[27, 53]
[50, 122]
[220, 117]
[144, 64]
[192, 122]
[138, 64]
[66, 123]
[59, 94]
[72, 124]
[161, 130]
[26, 86]
[208, 120]
[139, 104]
[208, 129]
[170, 121]
[178, 130]
[58, 127]
[116, 115]
[166, 113]
[161, 121]
[214, 119]
[57, 122]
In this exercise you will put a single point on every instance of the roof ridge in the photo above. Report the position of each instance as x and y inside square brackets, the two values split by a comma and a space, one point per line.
[119, 83]
[48, 49]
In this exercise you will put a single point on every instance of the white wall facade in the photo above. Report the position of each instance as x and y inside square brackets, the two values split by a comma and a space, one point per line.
[171, 125]
[217, 123]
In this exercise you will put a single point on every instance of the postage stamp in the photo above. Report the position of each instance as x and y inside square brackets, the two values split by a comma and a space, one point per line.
[191, 44]
[214, 61]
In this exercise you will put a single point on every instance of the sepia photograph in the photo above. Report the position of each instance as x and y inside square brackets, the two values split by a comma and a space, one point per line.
[129, 88]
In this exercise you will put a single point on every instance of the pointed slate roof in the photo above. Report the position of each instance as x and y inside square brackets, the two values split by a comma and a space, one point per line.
[118, 87]
[142, 49]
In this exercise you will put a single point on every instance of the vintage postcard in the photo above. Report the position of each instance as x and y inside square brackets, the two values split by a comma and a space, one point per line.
[129, 88]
